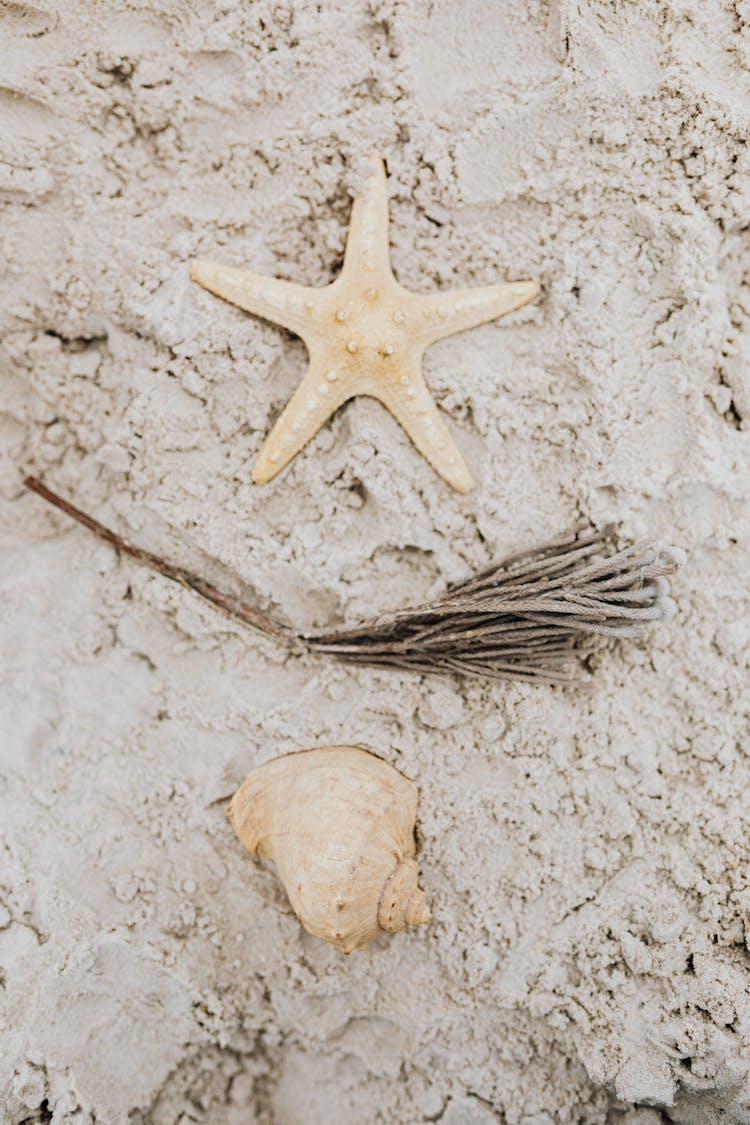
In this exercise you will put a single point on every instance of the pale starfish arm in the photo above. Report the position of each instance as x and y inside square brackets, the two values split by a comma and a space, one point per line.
[317, 397]
[367, 250]
[293, 306]
[442, 314]
[411, 403]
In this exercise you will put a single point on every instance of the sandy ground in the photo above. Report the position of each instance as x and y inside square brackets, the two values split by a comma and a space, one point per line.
[585, 853]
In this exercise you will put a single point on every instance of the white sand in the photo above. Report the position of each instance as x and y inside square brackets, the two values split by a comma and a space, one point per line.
[585, 854]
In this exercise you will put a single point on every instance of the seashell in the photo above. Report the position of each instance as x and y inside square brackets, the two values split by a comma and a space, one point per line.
[339, 824]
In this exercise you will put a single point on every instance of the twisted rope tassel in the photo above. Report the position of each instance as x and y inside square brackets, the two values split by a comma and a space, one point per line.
[522, 619]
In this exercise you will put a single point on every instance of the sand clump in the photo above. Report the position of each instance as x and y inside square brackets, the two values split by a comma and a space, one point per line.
[585, 854]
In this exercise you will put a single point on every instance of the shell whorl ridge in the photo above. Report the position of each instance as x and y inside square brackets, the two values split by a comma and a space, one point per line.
[402, 902]
[339, 824]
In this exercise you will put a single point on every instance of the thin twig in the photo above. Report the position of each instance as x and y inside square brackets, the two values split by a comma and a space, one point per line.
[520, 619]
[224, 602]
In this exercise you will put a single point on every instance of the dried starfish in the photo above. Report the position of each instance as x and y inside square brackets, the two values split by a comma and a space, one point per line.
[366, 335]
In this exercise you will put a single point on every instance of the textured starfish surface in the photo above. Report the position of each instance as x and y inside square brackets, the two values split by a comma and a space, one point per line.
[365, 335]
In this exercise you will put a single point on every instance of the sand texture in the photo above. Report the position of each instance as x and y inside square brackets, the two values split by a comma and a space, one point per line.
[585, 853]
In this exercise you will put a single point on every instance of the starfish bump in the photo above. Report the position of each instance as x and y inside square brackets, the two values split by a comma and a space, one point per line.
[365, 335]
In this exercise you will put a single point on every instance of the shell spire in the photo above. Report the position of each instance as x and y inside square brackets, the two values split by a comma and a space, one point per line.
[402, 902]
[339, 824]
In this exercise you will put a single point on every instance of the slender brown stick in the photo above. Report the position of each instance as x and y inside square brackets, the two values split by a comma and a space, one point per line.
[225, 602]
[523, 618]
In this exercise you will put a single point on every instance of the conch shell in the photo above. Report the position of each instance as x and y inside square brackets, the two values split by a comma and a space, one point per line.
[339, 824]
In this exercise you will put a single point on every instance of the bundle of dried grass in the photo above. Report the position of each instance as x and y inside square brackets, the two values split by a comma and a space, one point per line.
[524, 618]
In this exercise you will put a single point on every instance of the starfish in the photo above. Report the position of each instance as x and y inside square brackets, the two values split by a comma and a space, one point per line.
[365, 335]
